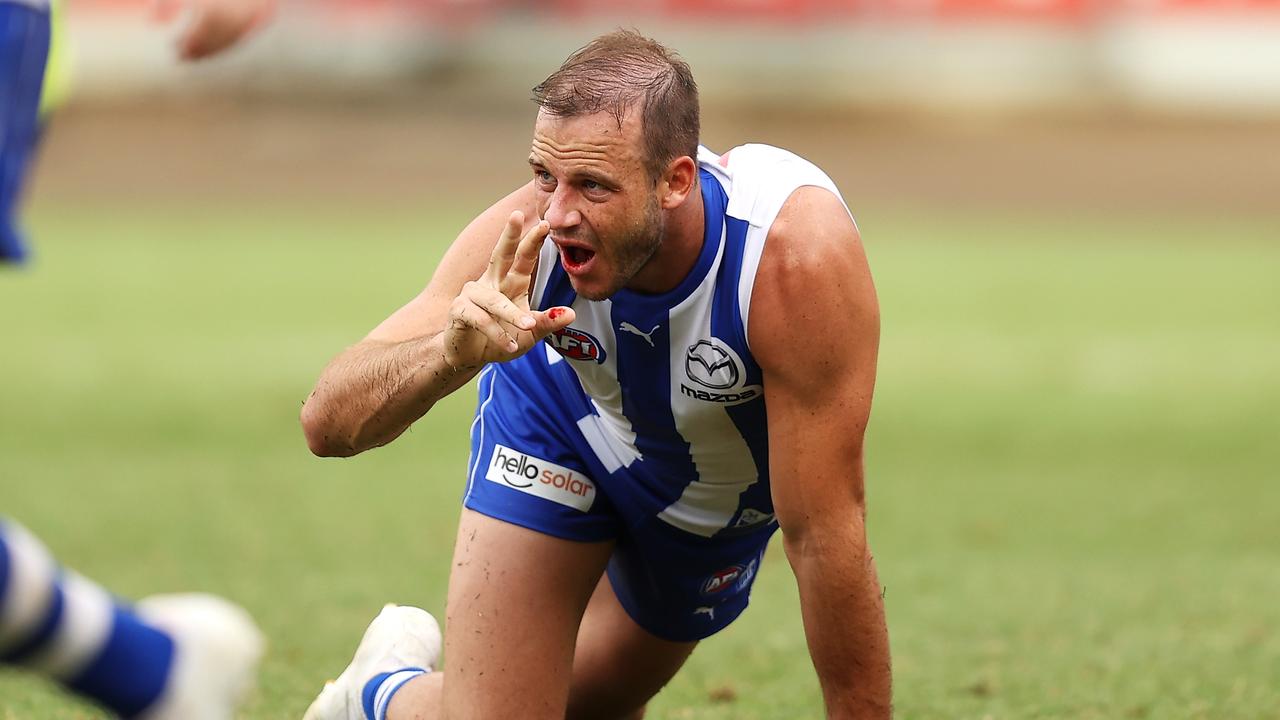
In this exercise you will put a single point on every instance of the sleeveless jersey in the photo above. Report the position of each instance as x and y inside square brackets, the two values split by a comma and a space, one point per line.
[673, 392]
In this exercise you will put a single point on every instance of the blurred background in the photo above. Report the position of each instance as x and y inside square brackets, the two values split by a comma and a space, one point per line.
[1071, 207]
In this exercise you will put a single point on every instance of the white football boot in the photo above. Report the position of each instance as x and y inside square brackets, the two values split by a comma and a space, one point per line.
[400, 637]
[216, 652]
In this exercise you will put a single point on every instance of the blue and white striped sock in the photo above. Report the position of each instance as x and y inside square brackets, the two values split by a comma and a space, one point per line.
[70, 629]
[381, 687]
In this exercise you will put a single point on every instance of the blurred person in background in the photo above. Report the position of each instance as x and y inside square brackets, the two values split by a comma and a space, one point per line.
[625, 478]
[31, 42]
[170, 657]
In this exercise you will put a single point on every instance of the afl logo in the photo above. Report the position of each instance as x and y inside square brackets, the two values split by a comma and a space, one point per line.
[576, 345]
[722, 580]
[711, 365]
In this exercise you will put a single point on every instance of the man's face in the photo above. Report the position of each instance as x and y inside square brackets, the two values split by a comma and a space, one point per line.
[593, 190]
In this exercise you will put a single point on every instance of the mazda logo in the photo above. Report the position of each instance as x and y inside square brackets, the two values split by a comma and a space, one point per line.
[711, 365]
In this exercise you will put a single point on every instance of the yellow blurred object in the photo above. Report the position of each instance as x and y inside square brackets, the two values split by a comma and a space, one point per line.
[57, 72]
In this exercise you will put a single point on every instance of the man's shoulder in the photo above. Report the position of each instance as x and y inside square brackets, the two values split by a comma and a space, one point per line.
[758, 179]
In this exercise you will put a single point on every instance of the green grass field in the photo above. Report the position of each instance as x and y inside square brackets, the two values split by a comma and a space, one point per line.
[1073, 457]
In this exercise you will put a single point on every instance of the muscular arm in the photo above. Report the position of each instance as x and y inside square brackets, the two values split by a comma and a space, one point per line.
[374, 390]
[813, 291]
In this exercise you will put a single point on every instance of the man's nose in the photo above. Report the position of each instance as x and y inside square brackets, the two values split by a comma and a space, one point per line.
[560, 214]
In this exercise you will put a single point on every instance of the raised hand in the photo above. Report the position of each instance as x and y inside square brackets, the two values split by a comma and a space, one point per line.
[214, 25]
[490, 320]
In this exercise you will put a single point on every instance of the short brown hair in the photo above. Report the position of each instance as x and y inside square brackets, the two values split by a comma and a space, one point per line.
[614, 72]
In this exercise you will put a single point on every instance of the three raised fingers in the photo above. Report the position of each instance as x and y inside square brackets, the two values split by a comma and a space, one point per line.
[498, 305]
[515, 256]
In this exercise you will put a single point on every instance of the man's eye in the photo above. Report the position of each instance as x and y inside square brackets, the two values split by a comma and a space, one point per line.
[592, 185]
[544, 177]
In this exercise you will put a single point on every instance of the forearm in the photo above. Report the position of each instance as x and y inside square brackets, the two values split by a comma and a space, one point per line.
[374, 391]
[844, 622]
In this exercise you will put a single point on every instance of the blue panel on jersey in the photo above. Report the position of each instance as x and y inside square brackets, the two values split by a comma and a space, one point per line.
[559, 291]
[726, 312]
[644, 374]
[749, 418]
[644, 365]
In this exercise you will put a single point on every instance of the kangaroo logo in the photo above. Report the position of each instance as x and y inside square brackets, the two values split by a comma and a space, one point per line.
[710, 612]
[709, 364]
[648, 336]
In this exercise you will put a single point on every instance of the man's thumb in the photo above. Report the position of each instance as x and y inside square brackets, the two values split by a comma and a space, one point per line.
[557, 318]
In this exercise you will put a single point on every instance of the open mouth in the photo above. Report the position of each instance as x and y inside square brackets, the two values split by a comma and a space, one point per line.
[576, 258]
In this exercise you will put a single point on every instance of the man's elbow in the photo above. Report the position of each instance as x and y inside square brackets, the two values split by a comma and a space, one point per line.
[323, 438]
[808, 538]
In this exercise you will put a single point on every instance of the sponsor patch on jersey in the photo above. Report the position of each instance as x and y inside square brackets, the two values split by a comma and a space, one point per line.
[539, 477]
[716, 374]
[577, 345]
[734, 576]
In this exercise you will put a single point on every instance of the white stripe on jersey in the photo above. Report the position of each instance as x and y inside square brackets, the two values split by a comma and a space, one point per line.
[760, 179]
[610, 434]
[725, 467]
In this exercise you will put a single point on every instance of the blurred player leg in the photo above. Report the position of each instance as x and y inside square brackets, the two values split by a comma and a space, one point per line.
[24, 48]
[180, 656]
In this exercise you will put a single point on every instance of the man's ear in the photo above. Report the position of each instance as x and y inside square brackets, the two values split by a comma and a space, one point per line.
[677, 182]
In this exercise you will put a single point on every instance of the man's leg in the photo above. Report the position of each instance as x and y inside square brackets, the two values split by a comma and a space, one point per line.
[618, 665]
[516, 600]
[516, 662]
[24, 47]
[182, 656]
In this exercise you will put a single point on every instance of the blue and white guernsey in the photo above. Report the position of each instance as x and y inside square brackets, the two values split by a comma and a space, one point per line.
[644, 422]
[673, 386]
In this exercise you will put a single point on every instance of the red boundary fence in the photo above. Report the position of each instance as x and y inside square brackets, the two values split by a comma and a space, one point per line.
[802, 12]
